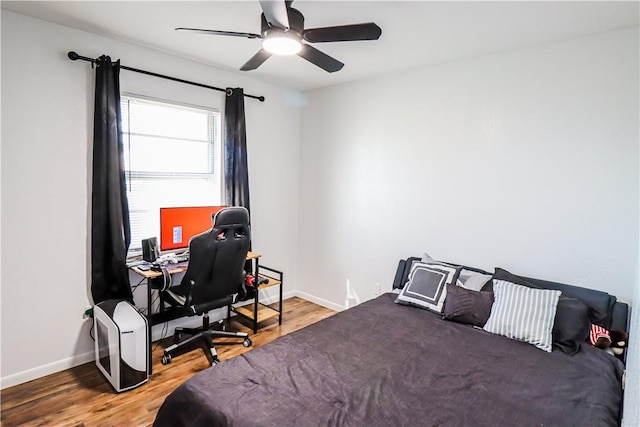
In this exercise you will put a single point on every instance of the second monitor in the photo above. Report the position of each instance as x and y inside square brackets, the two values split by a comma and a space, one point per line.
[179, 224]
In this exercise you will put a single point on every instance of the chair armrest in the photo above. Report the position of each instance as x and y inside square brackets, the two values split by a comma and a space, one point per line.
[192, 284]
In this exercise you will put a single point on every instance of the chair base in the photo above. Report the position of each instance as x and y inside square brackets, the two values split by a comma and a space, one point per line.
[201, 337]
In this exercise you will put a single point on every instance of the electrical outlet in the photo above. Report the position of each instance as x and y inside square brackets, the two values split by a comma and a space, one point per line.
[88, 312]
[377, 288]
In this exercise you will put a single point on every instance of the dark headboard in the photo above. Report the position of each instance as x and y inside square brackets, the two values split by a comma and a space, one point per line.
[617, 312]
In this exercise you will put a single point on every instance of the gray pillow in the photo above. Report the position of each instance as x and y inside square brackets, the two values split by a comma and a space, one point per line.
[473, 280]
[427, 285]
[523, 314]
[427, 258]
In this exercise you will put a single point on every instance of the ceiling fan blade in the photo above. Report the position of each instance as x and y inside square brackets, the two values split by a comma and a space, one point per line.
[320, 59]
[343, 33]
[221, 33]
[256, 60]
[275, 12]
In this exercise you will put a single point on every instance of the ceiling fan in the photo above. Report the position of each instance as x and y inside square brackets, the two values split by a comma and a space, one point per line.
[283, 33]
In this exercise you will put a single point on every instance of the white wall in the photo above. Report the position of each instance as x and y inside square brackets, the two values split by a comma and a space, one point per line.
[526, 159]
[47, 110]
[632, 390]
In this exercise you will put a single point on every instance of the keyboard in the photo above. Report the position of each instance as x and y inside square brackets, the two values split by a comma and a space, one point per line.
[183, 257]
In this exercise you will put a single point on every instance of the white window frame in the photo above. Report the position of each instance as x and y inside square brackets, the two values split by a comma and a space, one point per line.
[215, 155]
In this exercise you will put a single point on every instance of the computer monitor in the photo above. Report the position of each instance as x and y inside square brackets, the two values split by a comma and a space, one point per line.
[179, 225]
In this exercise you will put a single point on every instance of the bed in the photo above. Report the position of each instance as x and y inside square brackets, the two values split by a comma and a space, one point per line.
[387, 364]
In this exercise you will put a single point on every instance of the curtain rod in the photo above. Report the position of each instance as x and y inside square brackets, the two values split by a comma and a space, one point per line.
[74, 56]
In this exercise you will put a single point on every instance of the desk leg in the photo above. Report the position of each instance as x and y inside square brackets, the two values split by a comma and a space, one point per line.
[255, 297]
[149, 329]
[280, 299]
[255, 312]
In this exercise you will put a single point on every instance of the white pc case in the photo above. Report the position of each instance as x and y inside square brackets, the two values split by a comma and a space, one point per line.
[121, 344]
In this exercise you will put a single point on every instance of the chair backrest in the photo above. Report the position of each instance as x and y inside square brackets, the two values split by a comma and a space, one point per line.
[217, 257]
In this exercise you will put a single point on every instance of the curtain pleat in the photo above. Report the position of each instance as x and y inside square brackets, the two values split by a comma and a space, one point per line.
[110, 230]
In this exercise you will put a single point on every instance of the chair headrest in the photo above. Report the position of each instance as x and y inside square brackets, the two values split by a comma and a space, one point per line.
[232, 216]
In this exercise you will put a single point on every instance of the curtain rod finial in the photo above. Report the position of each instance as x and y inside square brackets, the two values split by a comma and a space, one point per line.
[261, 98]
[72, 55]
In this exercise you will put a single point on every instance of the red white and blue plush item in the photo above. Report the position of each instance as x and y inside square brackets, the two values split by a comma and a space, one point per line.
[614, 342]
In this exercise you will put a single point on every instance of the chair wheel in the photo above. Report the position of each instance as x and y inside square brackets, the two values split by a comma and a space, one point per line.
[166, 359]
[247, 342]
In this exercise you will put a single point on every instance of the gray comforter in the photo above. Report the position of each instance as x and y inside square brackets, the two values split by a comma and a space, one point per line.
[383, 364]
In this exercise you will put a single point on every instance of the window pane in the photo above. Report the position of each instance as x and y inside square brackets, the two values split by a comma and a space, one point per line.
[152, 154]
[151, 118]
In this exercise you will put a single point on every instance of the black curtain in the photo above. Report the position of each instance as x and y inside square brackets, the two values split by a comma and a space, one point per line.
[110, 232]
[236, 173]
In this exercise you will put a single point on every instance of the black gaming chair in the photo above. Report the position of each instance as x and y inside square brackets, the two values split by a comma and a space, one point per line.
[213, 280]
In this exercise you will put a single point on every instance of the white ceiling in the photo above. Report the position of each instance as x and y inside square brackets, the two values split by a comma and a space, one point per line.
[414, 33]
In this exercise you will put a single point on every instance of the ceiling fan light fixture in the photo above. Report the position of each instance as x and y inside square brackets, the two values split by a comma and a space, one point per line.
[282, 45]
[282, 32]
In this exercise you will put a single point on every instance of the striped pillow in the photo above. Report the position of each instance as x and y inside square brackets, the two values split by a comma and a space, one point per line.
[523, 314]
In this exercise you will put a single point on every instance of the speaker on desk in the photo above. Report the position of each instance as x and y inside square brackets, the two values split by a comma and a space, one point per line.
[150, 250]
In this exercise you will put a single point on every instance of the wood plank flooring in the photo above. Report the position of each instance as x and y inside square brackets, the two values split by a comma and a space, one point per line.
[81, 396]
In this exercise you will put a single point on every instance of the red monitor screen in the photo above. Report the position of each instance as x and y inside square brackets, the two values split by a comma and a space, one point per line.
[179, 225]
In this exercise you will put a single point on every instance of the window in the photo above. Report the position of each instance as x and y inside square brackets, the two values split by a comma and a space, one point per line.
[172, 156]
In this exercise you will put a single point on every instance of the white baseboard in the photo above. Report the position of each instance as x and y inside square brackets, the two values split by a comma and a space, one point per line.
[44, 370]
[274, 298]
[319, 301]
[156, 334]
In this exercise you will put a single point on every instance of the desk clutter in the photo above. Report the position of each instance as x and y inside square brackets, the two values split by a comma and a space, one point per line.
[172, 258]
[250, 280]
[169, 261]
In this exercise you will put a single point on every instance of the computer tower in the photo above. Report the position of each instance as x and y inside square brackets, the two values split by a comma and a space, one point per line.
[121, 343]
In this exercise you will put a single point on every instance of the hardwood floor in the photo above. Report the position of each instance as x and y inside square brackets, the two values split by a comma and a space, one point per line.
[81, 396]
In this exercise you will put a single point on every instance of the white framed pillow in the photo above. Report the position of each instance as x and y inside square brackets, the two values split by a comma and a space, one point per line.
[523, 314]
[427, 285]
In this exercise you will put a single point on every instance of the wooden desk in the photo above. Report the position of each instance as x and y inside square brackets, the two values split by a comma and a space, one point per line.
[253, 314]
[179, 268]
